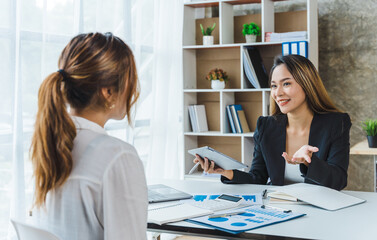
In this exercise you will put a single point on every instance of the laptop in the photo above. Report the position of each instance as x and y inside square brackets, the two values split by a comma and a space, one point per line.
[162, 193]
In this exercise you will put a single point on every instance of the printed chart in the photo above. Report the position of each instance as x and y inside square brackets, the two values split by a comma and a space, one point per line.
[253, 217]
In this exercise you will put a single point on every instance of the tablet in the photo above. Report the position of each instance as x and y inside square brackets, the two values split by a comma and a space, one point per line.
[220, 159]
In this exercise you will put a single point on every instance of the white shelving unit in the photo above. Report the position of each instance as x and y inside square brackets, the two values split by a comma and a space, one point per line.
[226, 53]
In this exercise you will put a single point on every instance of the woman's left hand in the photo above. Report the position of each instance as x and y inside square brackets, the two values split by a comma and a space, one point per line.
[303, 155]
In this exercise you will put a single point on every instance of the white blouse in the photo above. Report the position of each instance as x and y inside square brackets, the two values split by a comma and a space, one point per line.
[292, 174]
[105, 196]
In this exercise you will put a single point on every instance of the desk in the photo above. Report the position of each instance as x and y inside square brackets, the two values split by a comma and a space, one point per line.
[356, 222]
[362, 148]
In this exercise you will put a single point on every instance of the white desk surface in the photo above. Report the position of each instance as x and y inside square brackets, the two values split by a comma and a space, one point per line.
[356, 222]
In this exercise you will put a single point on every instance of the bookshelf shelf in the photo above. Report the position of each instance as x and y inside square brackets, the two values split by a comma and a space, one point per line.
[227, 54]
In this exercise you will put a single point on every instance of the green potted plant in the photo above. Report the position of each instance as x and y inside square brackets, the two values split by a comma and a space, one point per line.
[251, 31]
[218, 78]
[207, 37]
[370, 127]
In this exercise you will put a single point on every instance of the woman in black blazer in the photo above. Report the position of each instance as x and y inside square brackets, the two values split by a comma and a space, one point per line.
[306, 138]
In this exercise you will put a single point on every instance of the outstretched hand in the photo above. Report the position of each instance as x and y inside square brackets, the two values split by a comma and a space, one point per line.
[303, 155]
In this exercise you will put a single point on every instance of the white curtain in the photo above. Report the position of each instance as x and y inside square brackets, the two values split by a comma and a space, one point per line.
[165, 156]
[32, 35]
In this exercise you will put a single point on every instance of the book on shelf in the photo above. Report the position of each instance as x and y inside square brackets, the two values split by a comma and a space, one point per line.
[237, 119]
[198, 118]
[230, 118]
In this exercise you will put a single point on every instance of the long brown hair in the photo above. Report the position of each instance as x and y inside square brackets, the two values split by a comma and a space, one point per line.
[87, 64]
[306, 75]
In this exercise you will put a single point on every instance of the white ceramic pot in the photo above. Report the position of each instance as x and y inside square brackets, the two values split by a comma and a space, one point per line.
[251, 38]
[207, 40]
[217, 84]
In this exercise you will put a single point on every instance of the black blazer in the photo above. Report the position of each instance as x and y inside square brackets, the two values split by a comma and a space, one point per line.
[329, 132]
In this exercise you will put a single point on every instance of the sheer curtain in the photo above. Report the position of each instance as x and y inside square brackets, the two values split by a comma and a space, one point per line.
[165, 158]
[32, 35]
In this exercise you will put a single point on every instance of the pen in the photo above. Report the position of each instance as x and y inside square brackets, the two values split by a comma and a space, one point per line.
[280, 209]
[194, 168]
[264, 194]
[226, 214]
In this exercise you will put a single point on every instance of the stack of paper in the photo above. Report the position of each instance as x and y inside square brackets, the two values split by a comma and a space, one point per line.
[286, 37]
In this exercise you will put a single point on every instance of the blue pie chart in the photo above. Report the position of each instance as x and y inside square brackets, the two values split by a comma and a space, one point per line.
[219, 219]
[238, 224]
[247, 214]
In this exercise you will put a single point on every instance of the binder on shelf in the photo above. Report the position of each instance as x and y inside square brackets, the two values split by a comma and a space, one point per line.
[286, 48]
[258, 66]
[299, 48]
[249, 70]
[303, 48]
[231, 122]
[294, 47]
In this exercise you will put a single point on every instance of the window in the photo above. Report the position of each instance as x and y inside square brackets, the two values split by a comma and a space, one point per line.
[32, 36]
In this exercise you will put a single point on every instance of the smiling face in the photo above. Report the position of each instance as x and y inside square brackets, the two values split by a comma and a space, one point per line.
[287, 93]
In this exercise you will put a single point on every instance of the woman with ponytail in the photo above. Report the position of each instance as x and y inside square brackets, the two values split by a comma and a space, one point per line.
[88, 185]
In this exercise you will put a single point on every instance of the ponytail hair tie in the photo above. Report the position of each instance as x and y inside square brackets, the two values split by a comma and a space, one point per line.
[63, 73]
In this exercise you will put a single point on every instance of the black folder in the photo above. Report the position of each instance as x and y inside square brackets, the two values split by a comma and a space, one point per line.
[258, 65]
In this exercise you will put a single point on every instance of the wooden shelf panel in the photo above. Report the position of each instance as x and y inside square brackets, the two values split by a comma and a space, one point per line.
[201, 4]
[362, 148]
[218, 134]
[234, 45]
[227, 59]
[227, 90]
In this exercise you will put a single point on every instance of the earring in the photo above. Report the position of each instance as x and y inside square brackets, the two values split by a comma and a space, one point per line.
[112, 106]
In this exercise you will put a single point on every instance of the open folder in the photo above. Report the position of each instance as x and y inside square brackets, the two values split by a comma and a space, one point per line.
[316, 195]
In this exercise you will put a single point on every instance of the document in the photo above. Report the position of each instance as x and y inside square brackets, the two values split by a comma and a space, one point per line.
[221, 160]
[247, 199]
[164, 213]
[252, 217]
[318, 196]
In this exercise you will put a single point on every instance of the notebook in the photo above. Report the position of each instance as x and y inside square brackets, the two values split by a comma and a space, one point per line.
[318, 196]
[175, 212]
[162, 193]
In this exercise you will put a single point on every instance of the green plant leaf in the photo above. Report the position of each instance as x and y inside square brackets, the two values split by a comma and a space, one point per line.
[201, 27]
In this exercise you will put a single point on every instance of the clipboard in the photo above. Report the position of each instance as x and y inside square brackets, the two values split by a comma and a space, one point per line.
[220, 159]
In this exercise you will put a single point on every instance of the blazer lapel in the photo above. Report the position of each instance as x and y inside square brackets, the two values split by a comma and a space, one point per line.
[277, 143]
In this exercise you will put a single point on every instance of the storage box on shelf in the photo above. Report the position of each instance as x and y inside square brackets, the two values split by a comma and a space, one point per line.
[227, 54]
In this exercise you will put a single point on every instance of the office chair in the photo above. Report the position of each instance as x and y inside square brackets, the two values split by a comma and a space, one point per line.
[28, 232]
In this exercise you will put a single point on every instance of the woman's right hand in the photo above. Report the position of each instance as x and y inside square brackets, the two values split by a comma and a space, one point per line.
[210, 167]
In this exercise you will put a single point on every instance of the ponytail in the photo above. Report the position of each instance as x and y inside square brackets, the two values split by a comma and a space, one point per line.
[52, 140]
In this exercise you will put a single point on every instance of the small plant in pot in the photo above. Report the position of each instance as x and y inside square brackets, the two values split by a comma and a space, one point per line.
[207, 37]
[251, 31]
[370, 127]
[218, 78]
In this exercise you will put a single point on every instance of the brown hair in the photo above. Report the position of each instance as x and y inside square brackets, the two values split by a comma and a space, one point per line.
[88, 63]
[306, 75]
